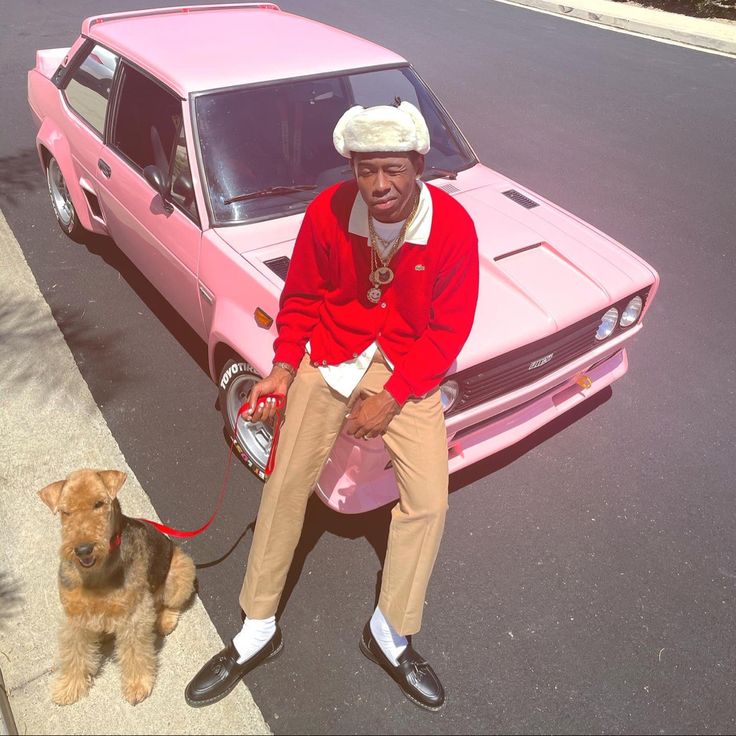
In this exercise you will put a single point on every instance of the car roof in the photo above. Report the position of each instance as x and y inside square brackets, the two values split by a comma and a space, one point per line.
[211, 47]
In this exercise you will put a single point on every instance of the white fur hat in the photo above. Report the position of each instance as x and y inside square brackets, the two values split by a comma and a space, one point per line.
[381, 128]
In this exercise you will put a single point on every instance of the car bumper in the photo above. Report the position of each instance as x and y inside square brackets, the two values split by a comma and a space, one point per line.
[359, 477]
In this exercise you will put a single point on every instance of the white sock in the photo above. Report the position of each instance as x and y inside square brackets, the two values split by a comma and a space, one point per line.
[391, 643]
[255, 633]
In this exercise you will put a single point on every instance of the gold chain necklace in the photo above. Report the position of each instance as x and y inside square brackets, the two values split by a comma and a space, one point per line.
[383, 275]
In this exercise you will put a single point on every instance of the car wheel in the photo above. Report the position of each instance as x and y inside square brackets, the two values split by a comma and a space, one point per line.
[61, 201]
[252, 439]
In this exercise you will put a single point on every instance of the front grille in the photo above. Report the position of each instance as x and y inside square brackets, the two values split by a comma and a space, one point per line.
[511, 371]
[279, 266]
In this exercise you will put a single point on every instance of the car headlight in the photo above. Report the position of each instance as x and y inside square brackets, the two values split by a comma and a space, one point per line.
[449, 393]
[608, 324]
[632, 312]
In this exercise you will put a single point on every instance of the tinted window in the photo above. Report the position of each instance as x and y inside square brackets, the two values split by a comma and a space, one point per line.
[88, 88]
[148, 121]
[148, 130]
[253, 139]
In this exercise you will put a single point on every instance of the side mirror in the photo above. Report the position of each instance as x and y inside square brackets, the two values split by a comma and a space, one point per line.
[155, 177]
[184, 187]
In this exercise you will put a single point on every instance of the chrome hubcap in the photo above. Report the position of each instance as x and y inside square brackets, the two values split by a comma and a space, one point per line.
[60, 194]
[254, 437]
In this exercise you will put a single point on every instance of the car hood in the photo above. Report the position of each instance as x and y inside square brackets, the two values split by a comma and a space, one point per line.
[541, 268]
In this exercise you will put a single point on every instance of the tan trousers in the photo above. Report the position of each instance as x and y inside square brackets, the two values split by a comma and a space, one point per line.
[416, 440]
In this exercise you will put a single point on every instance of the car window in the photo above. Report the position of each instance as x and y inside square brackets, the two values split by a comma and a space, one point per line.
[180, 176]
[390, 86]
[270, 136]
[267, 150]
[146, 122]
[148, 131]
[88, 90]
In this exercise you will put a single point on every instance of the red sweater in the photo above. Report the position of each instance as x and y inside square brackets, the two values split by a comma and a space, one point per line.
[426, 312]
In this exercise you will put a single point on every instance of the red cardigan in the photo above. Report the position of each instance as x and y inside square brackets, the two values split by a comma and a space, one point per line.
[426, 312]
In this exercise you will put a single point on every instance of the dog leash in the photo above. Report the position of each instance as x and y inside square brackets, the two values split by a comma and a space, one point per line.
[279, 400]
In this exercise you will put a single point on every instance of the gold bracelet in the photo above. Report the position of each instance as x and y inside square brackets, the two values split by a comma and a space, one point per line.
[286, 366]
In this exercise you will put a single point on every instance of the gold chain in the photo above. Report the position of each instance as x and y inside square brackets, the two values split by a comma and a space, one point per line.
[395, 243]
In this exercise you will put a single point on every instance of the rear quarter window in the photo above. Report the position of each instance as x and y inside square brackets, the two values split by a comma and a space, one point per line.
[87, 91]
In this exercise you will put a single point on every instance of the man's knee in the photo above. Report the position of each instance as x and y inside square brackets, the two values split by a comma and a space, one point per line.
[430, 506]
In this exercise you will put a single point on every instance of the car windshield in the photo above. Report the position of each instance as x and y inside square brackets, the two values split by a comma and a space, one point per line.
[275, 140]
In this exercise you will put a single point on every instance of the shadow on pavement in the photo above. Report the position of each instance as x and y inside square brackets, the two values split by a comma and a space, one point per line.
[374, 525]
[24, 333]
[106, 249]
[505, 457]
[11, 598]
[19, 173]
[319, 519]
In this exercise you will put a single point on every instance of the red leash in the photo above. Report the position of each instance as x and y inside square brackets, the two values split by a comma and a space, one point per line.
[280, 400]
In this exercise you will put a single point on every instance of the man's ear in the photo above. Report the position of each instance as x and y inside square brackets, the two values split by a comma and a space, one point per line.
[51, 493]
[419, 163]
[113, 480]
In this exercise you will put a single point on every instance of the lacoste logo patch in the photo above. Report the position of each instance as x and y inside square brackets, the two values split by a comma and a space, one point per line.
[419, 267]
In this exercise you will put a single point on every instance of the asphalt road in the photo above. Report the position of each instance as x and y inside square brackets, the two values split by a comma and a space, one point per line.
[586, 578]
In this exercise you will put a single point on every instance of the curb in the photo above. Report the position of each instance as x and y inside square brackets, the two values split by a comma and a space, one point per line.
[702, 33]
[7, 722]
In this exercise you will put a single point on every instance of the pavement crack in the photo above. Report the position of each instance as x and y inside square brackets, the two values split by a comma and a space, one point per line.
[23, 685]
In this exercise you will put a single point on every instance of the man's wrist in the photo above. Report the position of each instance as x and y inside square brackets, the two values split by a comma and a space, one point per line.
[390, 400]
[286, 366]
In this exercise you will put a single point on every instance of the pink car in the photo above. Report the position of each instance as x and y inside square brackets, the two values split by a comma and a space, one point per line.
[200, 164]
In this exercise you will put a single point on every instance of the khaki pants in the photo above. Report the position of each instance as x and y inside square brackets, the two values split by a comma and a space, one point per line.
[417, 443]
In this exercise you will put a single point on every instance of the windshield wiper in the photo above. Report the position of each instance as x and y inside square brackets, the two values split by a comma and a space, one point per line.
[272, 192]
[442, 173]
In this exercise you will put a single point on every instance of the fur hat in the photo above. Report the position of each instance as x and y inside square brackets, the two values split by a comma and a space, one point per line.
[381, 128]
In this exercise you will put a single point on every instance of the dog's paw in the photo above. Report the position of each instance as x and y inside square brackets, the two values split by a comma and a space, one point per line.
[67, 690]
[167, 620]
[138, 690]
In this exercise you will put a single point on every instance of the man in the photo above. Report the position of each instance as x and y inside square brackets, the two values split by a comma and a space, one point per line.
[381, 292]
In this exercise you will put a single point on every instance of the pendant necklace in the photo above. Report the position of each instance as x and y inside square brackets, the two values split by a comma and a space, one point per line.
[383, 275]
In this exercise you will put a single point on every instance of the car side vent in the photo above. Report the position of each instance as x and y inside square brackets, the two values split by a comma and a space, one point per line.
[279, 266]
[94, 204]
[449, 188]
[521, 199]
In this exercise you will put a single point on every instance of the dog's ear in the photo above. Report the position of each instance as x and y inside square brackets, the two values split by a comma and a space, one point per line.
[113, 480]
[51, 494]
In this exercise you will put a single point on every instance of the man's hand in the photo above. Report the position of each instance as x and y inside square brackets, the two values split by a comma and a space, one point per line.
[277, 382]
[370, 416]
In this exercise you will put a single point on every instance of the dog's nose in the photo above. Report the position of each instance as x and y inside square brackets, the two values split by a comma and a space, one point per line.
[83, 550]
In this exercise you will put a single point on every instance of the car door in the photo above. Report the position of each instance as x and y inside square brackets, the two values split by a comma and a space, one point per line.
[85, 93]
[161, 236]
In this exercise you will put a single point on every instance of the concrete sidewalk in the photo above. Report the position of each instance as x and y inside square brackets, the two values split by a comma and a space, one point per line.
[50, 425]
[705, 33]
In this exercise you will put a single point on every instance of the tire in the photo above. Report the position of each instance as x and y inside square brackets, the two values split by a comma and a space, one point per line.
[253, 439]
[61, 201]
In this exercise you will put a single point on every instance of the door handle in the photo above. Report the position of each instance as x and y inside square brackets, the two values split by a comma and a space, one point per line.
[104, 168]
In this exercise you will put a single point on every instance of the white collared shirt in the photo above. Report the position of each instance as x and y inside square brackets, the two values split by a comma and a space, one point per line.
[344, 377]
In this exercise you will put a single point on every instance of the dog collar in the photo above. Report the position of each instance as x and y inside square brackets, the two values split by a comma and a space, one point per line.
[115, 541]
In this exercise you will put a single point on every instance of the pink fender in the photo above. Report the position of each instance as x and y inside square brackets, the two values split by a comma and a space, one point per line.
[235, 327]
[51, 138]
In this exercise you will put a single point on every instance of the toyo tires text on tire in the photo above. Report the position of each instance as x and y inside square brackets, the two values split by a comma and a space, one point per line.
[252, 439]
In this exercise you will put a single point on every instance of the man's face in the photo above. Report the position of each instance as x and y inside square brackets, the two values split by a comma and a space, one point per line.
[387, 182]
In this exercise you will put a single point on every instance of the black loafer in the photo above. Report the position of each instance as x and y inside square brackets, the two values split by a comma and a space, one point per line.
[222, 673]
[414, 675]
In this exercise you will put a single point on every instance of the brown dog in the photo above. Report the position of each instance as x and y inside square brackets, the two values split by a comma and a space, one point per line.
[118, 576]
